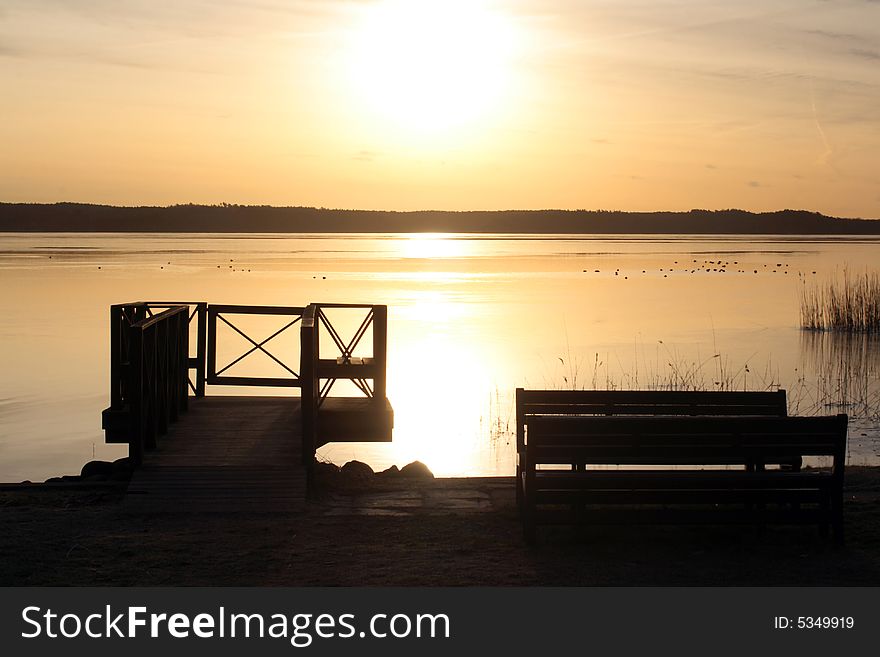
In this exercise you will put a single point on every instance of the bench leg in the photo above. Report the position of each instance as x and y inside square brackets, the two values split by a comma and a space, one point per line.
[519, 486]
[529, 509]
[837, 519]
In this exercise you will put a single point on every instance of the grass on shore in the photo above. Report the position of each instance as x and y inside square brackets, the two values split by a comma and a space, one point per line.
[839, 373]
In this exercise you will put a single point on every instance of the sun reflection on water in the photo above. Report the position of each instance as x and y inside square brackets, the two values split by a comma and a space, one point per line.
[433, 245]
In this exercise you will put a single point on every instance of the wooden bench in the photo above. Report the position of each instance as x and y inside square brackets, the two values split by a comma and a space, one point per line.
[674, 456]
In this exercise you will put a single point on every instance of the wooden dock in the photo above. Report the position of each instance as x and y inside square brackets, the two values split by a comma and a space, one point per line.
[226, 454]
[239, 454]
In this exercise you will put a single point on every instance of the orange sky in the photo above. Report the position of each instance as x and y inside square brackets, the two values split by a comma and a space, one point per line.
[613, 104]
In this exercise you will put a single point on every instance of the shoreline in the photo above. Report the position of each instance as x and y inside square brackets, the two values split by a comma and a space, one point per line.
[420, 532]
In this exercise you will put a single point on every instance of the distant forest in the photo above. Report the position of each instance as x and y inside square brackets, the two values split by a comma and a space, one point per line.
[225, 218]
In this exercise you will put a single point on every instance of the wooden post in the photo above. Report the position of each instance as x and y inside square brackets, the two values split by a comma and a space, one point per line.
[150, 387]
[174, 366]
[135, 387]
[520, 447]
[380, 352]
[201, 327]
[183, 356]
[309, 389]
[116, 356]
[211, 357]
[163, 380]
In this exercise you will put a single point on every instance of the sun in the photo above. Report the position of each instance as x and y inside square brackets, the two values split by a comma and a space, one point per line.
[428, 66]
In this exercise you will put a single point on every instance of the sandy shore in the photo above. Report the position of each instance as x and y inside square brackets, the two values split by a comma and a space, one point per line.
[435, 532]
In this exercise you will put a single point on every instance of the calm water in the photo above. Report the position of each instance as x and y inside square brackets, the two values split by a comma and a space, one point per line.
[470, 318]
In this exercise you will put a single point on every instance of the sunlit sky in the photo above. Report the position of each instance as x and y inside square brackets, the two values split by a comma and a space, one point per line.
[444, 104]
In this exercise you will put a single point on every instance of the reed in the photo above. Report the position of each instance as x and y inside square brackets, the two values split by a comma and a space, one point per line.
[847, 305]
[838, 373]
[670, 370]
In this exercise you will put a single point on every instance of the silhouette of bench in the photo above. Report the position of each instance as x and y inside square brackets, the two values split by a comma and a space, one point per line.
[711, 457]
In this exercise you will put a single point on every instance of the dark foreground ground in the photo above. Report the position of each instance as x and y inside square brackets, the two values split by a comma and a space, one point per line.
[441, 532]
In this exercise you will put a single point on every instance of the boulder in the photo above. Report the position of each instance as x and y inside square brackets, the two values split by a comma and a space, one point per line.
[64, 479]
[323, 468]
[92, 468]
[356, 471]
[416, 470]
[392, 472]
[124, 464]
[122, 469]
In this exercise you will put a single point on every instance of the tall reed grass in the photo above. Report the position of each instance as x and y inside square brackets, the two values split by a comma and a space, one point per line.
[847, 305]
[838, 373]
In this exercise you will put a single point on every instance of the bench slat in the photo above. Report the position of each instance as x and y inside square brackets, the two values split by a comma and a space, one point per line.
[544, 424]
[651, 397]
[714, 516]
[697, 440]
[682, 497]
[644, 408]
[679, 479]
[668, 455]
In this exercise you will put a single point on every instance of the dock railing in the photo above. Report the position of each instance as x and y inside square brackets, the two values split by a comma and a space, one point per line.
[223, 314]
[152, 370]
[149, 365]
[319, 374]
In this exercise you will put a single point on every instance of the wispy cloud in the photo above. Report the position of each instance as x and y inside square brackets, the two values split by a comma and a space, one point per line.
[9, 51]
[365, 156]
[144, 33]
[871, 55]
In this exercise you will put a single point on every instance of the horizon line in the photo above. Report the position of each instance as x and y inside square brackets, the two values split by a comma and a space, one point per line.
[225, 205]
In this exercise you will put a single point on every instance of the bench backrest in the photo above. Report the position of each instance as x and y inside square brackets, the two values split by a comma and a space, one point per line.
[643, 402]
[649, 402]
[667, 440]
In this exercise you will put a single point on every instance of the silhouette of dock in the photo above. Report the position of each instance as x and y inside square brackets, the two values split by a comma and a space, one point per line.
[218, 453]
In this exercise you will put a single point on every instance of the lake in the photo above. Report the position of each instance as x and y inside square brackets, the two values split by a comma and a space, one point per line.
[471, 317]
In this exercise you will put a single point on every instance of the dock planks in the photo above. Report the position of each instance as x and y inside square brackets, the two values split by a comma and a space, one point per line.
[225, 455]
[244, 454]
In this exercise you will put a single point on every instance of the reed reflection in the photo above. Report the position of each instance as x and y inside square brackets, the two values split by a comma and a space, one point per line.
[841, 373]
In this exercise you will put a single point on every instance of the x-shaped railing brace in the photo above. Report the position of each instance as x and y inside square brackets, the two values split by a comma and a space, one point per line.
[345, 351]
[257, 345]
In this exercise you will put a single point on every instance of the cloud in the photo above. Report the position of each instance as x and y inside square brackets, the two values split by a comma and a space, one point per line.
[871, 55]
[9, 51]
[831, 34]
[189, 35]
[365, 156]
